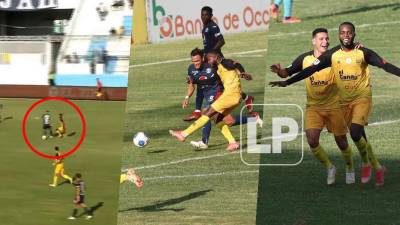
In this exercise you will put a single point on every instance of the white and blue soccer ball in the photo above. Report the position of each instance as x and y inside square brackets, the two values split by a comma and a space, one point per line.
[140, 139]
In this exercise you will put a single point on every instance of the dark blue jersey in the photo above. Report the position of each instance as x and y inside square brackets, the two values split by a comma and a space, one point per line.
[211, 35]
[205, 78]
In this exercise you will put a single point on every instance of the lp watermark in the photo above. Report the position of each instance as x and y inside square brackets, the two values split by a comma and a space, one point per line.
[280, 140]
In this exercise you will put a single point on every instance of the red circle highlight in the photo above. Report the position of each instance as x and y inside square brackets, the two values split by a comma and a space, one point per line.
[31, 147]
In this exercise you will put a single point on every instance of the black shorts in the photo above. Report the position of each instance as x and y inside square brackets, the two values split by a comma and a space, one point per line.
[81, 199]
[46, 126]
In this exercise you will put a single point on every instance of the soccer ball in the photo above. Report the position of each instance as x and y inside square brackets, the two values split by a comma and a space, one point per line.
[44, 137]
[140, 139]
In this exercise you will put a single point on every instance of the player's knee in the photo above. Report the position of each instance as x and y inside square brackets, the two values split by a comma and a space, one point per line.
[355, 134]
[341, 142]
[229, 120]
[312, 141]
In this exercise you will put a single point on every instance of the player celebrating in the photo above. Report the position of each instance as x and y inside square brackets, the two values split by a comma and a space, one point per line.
[46, 123]
[223, 106]
[131, 176]
[323, 107]
[79, 199]
[212, 40]
[204, 76]
[350, 68]
[61, 130]
[59, 169]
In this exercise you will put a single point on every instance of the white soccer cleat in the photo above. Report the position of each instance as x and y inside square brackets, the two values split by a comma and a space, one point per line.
[331, 175]
[71, 218]
[350, 176]
[52, 185]
[88, 217]
[199, 144]
[259, 121]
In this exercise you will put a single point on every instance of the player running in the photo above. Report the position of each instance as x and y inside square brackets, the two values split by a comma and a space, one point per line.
[99, 88]
[205, 77]
[79, 199]
[46, 124]
[59, 169]
[212, 40]
[61, 130]
[323, 108]
[351, 73]
[221, 107]
[131, 176]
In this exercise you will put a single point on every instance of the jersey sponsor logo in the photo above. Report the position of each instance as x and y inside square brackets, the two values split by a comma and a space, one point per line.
[347, 77]
[203, 78]
[316, 62]
[318, 82]
[208, 70]
[349, 61]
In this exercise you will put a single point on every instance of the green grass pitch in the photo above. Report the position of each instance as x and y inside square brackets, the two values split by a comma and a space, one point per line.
[25, 196]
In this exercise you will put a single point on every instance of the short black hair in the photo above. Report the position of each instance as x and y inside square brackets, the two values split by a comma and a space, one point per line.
[348, 24]
[197, 51]
[56, 148]
[207, 9]
[214, 52]
[319, 30]
[78, 175]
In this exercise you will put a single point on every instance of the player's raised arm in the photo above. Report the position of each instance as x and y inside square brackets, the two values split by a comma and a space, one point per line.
[372, 58]
[322, 62]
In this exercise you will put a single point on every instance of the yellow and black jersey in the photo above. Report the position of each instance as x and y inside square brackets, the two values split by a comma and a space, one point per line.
[59, 160]
[350, 70]
[229, 76]
[320, 87]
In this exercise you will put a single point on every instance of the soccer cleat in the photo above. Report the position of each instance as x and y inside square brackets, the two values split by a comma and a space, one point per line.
[273, 11]
[178, 135]
[72, 218]
[199, 144]
[249, 103]
[331, 175]
[291, 20]
[194, 116]
[380, 177]
[350, 177]
[259, 121]
[52, 185]
[365, 173]
[233, 146]
[88, 217]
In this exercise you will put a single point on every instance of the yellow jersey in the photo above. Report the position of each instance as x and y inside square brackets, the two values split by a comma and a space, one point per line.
[229, 76]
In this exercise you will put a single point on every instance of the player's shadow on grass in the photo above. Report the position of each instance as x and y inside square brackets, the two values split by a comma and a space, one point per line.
[157, 151]
[71, 134]
[163, 205]
[363, 9]
[93, 208]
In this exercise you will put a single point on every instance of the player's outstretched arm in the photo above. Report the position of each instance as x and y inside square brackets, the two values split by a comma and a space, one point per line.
[372, 58]
[276, 68]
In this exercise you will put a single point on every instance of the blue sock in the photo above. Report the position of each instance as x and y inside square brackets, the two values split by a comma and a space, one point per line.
[199, 99]
[287, 6]
[206, 132]
[277, 2]
[243, 119]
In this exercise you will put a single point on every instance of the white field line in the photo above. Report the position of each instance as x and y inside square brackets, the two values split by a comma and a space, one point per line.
[271, 36]
[229, 153]
[202, 175]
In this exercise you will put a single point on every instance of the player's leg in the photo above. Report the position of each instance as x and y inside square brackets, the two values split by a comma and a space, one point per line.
[336, 124]
[225, 131]
[74, 212]
[248, 99]
[65, 176]
[287, 13]
[57, 171]
[197, 112]
[274, 9]
[314, 125]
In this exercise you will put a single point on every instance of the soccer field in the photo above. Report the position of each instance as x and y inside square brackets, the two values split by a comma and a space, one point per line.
[184, 186]
[26, 197]
[287, 195]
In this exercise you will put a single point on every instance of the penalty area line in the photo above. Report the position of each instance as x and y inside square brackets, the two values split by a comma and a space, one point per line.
[201, 175]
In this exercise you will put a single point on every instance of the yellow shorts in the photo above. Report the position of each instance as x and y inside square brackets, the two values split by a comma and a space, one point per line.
[226, 103]
[61, 130]
[332, 119]
[358, 111]
[59, 168]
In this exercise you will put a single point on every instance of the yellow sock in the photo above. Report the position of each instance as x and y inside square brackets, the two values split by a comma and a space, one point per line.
[321, 155]
[55, 178]
[199, 123]
[348, 158]
[65, 176]
[122, 178]
[371, 156]
[226, 132]
[362, 149]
